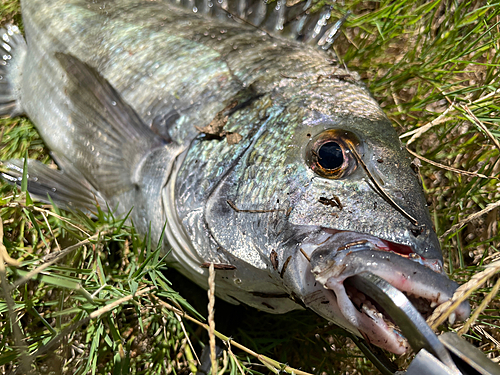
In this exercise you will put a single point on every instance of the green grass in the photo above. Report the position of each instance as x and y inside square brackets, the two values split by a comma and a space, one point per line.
[419, 59]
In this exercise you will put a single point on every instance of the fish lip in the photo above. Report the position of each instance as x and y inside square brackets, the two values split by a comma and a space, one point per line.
[354, 241]
[340, 257]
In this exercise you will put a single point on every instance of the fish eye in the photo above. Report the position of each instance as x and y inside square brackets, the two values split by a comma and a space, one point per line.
[329, 153]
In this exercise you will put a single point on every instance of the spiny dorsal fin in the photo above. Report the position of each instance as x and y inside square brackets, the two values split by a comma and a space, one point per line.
[288, 18]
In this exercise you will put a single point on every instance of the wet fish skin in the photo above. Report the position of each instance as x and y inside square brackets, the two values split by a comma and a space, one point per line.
[252, 205]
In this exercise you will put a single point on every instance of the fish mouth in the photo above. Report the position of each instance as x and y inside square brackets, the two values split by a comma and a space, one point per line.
[345, 254]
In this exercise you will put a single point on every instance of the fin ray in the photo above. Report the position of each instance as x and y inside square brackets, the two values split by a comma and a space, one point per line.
[288, 18]
[12, 52]
[67, 188]
[110, 136]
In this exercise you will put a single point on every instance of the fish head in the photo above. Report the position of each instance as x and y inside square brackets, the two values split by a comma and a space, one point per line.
[316, 196]
[361, 208]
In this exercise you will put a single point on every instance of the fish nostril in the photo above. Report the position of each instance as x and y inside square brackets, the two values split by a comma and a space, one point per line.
[398, 195]
[416, 230]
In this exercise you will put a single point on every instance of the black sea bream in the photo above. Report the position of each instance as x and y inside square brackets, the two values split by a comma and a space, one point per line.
[254, 149]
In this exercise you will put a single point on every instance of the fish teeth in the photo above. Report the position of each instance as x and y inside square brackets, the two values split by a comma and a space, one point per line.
[452, 318]
[369, 305]
[370, 312]
[373, 313]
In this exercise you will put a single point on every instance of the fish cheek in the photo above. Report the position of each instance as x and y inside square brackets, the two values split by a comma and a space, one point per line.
[348, 205]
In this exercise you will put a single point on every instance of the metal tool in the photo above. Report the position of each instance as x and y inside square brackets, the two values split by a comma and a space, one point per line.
[446, 355]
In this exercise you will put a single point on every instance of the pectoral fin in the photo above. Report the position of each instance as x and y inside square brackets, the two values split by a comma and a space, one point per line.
[115, 157]
[112, 141]
[67, 188]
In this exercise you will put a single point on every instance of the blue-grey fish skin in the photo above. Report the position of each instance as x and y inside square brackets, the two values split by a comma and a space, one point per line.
[253, 205]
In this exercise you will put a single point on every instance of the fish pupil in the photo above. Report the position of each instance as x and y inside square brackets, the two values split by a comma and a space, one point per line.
[330, 155]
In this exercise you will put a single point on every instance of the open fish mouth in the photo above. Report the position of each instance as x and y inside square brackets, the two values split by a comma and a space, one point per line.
[345, 254]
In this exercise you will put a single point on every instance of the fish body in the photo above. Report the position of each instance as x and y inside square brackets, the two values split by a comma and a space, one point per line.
[249, 150]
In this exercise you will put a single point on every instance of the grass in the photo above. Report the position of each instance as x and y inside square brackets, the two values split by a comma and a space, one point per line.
[433, 66]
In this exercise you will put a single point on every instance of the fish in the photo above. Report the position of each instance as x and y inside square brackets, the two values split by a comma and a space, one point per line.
[230, 132]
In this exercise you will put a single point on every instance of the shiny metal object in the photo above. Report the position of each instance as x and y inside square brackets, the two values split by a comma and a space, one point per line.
[470, 355]
[448, 354]
[426, 363]
[405, 315]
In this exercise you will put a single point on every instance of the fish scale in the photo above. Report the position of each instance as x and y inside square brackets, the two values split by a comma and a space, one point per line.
[123, 93]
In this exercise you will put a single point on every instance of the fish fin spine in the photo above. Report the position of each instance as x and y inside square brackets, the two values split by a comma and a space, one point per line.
[12, 53]
[67, 188]
[291, 18]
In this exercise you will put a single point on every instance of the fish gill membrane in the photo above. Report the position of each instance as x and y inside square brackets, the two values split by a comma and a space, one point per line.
[316, 189]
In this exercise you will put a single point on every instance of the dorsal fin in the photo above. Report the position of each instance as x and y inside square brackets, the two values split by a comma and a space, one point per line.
[288, 18]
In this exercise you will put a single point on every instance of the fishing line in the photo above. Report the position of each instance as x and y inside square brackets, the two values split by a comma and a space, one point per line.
[379, 189]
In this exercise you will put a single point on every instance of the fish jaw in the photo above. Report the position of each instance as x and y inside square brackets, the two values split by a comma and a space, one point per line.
[334, 256]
